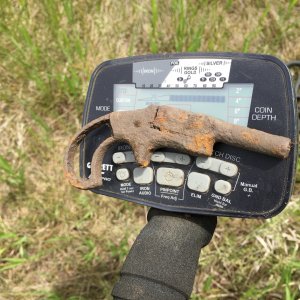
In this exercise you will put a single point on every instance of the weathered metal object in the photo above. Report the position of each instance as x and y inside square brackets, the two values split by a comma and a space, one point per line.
[162, 126]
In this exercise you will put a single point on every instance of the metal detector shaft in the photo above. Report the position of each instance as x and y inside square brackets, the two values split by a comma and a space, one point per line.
[163, 260]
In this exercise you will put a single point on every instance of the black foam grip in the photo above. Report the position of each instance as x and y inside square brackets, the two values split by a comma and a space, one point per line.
[163, 260]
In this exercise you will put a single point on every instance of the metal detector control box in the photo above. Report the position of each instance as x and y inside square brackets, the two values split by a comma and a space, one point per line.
[249, 90]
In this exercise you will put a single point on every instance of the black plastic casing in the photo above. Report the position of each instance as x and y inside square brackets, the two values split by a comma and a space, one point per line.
[263, 185]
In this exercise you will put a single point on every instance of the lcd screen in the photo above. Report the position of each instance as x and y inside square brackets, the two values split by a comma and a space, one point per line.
[231, 103]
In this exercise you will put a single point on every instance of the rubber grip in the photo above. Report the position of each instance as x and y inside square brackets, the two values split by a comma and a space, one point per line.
[163, 260]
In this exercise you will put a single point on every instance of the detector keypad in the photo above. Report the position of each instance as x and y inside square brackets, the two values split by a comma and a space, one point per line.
[169, 175]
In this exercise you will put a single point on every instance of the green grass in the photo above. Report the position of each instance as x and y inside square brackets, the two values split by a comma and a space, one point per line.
[60, 243]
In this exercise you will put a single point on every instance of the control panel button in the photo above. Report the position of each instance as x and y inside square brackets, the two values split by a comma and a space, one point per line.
[129, 156]
[118, 158]
[203, 162]
[215, 165]
[143, 175]
[158, 157]
[222, 187]
[198, 182]
[122, 174]
[182, 159]
[170, 177]
[123, 157]
[228, 169]
[208, 163]
[170, 157]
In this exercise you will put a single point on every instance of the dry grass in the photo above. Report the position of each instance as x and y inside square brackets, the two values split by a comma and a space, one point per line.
[61, 243]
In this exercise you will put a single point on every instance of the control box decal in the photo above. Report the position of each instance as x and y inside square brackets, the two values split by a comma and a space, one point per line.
[182, 73]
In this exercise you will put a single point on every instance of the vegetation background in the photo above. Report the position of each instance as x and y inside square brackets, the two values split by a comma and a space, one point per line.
[57, 242]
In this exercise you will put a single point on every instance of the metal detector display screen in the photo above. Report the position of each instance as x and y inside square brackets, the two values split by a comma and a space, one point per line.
[230, 103]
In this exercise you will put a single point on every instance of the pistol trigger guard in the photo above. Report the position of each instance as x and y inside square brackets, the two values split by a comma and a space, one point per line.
[85, 183]
[95, 179]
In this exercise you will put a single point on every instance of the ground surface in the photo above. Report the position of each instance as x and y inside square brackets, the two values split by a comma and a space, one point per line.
[60, 243]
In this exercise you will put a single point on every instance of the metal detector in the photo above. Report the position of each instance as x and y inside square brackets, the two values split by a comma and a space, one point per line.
[193, 136]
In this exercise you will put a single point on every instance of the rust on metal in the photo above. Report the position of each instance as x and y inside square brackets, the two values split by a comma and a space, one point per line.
[162, 126]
